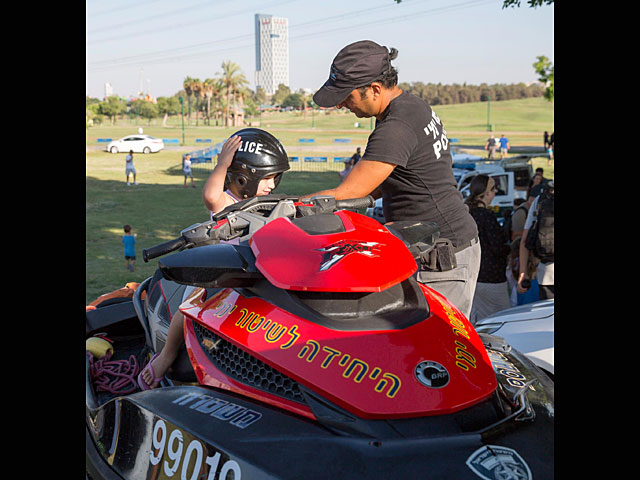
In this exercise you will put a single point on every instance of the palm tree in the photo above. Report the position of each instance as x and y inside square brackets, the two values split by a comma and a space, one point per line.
[232, 78]
[196, 88]
[188, 82]
[217, 97]
[208, 88]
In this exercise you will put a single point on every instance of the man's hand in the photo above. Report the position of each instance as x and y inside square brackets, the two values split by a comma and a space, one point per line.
[363, 179]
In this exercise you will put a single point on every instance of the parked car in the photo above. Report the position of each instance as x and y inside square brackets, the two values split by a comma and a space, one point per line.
[527, 328]
[137, 143]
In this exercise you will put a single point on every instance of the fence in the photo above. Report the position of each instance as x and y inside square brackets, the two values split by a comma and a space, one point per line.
[296, 164]
[204, 160]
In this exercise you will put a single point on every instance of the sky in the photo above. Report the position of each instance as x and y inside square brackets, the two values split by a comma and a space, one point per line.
[153, 45]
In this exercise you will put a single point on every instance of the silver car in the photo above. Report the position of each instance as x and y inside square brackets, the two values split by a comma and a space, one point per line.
[527, 328]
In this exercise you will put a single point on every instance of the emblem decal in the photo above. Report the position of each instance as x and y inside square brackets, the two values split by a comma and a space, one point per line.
[337, 251]
[493, 462]
[431, 374]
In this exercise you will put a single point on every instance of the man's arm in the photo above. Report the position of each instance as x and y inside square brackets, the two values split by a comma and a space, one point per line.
[524, 261]
[363, 179]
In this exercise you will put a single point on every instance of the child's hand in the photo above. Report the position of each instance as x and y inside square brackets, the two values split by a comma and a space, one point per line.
[229, 149]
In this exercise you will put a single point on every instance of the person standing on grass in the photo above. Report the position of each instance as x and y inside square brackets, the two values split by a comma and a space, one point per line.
[186, 169]
[130, 169]
[129, 241]
[491, 146]
[504, 146]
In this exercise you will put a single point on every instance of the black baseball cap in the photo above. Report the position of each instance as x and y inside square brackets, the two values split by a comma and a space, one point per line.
[356, 65]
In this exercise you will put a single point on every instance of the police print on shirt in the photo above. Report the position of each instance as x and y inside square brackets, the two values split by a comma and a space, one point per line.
[440, 140]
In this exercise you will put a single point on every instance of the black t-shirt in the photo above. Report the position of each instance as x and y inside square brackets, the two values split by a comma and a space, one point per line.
[422, 185]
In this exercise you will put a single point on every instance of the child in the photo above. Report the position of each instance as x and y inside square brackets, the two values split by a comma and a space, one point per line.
[186, 169]
[129, 240]
[129, 168]
[250, 163]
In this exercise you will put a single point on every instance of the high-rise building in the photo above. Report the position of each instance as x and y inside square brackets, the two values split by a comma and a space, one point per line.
[272, 52]
[108, 90]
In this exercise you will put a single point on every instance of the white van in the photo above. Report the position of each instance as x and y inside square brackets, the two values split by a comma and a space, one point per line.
[512, 177]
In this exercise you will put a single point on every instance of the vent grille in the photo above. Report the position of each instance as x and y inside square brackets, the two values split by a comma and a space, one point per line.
[239, 365]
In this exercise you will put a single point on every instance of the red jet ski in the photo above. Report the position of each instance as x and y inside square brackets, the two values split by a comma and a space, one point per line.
[311, 351]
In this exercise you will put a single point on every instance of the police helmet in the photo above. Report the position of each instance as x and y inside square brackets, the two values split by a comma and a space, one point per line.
[260, 155]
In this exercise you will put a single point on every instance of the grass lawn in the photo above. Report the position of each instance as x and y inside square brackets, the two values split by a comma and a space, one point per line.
[160, 207]
[157, 209]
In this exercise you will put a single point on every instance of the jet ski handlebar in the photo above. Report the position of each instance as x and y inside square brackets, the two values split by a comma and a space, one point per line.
[236, 220]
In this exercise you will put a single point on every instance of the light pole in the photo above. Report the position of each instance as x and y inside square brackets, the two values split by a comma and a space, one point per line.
[182, 116]
[489, 127]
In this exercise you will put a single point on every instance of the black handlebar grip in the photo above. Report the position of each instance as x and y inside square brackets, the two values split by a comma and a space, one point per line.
[162, 249]
[364, 202]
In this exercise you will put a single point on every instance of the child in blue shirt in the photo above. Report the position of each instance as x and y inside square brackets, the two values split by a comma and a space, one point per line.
[129, 240]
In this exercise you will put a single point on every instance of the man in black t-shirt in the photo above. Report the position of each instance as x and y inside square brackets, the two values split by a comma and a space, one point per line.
[407, 160]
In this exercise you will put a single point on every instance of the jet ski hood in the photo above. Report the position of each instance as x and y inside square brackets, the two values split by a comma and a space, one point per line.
[328, 253]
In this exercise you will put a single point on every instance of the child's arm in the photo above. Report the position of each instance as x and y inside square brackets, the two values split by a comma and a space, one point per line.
[213, 192]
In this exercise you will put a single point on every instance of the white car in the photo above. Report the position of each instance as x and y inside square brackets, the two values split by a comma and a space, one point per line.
[527, 328]
[137, 143]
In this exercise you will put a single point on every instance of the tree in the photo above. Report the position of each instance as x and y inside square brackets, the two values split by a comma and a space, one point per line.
[147, 109]
[292, 100]
[196, 89]
[188, 85]
[306, 99]
[208, 88]
[544, 68]
[232, 78]
[281, 93]
[111, 107]
[168, 106]
[260, 96]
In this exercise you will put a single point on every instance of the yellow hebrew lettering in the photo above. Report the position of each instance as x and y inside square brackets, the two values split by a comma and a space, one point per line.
[464, 356]
[252, 327]
[383, 383]
[331, 354]
[245, 316]
[227, 309]
[314, 350]
[343, 361]
[294, 337]
[364, 368]
[266, 324]
[274, 333]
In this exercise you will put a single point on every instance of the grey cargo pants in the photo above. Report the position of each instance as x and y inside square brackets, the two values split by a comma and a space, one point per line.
[457, 285]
